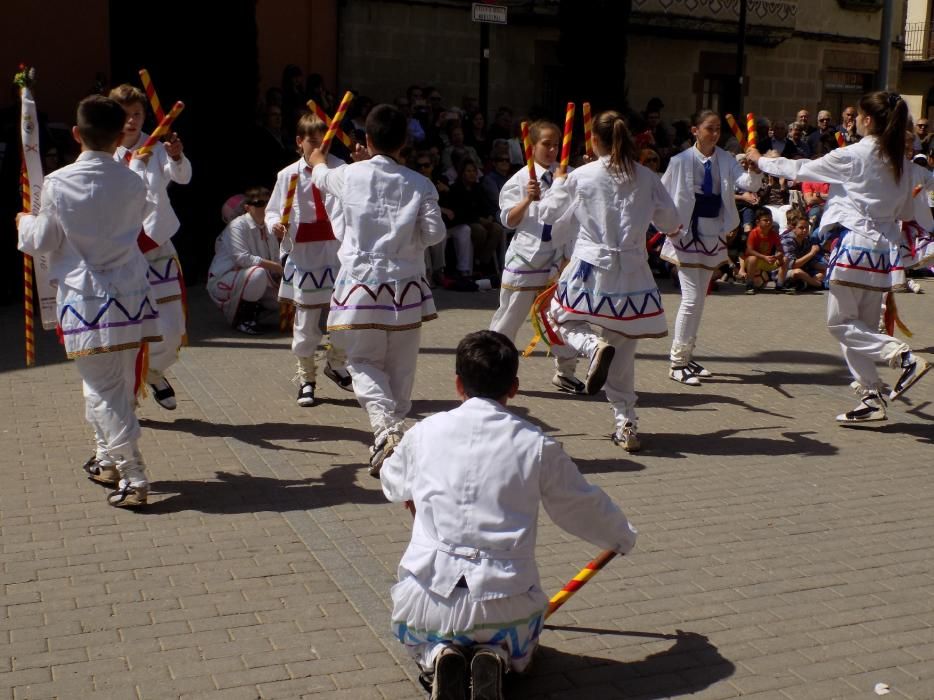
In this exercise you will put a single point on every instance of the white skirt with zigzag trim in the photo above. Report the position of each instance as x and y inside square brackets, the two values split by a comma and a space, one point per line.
[397, 305]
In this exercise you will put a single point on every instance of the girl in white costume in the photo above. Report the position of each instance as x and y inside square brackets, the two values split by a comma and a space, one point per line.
[537, 251]
[608, 283]
[876, 187]
[702, 182]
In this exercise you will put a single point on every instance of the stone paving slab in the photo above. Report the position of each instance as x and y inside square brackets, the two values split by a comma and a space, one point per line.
[780, 556]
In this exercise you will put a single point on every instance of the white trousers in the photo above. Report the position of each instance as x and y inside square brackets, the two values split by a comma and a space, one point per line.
[307, 332]
[852, 318]
[382, 365]
[694, 282]
[620, 384]
[514, 307]
[110, 407]
[164, 354]
[260, 287]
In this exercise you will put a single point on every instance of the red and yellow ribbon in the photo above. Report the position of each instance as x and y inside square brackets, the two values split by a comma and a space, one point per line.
[737, 132]
[841, 141]
[576, 583]
[151, 95]
[568, 135]
[751, 136]
[336, 121]
[323, 116]
[164, 126]
[588, 130]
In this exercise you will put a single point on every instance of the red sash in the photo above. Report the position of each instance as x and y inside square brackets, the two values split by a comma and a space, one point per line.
[320, 229]
[145, 243]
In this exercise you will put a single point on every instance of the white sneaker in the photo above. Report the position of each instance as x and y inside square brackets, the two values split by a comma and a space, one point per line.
[871, 408]
[599, 369]
[627, 437]
[684, 375]
[306, 394]
[914, 287]
[570, 385]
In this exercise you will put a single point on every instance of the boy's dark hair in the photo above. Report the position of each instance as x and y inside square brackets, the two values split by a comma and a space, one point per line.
[764, 213]
[487, 363]
[127, 95]
[310, 124]
[100, 122]
[387, 128]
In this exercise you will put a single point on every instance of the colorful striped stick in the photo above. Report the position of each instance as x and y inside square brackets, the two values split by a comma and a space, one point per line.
[841, 141]
[576, 583]
[28, 309]
[737, 132]
[568, 135]
[336, 121]
[151, 94]
[323, 116]
[527, 145]
[160, 131]
[287, 311]
[751, 135]
[588, 130]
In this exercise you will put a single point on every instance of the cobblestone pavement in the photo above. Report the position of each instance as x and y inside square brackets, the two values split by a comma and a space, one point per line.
[780, 556]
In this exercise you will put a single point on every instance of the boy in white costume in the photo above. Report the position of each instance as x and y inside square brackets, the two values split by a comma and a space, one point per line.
[702, 182]
[89, 219]
[244, 275]
[381, 297]
[608, 283]
[537, 252]
[468, 579]
[875, 191]
[166, 163]
[309, 250]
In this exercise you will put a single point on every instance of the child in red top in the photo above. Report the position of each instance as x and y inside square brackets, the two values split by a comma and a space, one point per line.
[763, 253]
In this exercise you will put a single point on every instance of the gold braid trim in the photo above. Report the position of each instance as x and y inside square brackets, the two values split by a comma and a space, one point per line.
[298, 305]
[844, 283]
[381, 326]
[113, 348]
[166, 300]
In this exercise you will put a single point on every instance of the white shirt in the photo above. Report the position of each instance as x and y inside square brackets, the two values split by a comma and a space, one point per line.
[612, 210]
[244, 243]
[871, 200]
[161, 223]
[303, 203]
[477, 475]
[390, 215]
[88, 222]
[528, 238]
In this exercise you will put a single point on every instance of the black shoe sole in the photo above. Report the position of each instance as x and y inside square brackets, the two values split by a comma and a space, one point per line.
[450, 678]
[486, 677]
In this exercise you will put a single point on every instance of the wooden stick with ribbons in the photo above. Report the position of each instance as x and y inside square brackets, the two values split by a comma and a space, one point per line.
[29, 312]
[751, 135]
[737, 132]
[576, 583]
[336, 121]
[323, 116]
[286, 310]
[566, 141]
[164, 126]
[527, 147]
[588, 130]
[151, 95]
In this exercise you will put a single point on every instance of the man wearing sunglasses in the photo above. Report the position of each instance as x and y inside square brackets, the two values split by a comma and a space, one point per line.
[825, 125]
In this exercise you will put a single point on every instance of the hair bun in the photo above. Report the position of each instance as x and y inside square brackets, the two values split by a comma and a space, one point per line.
[894, 99]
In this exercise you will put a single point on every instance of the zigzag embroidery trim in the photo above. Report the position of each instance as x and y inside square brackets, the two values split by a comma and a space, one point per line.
[637, 313]
[513, 634]
[132, 319]
[863, 255]
[161, 278]
[398, 305]
[318, 284]
[698, 248]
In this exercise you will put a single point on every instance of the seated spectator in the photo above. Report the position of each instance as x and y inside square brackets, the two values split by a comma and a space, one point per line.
[848, 126]
[824, 127]
[803, 117]
[457, 141]
[746, 205]
[797, 138]
[778, 140]
[476, 136]
[501, 128]
[244, 276]
[469, 218]
[815, 199]
[416, 133]
[494, 180]
[802, 256]
[763, 253]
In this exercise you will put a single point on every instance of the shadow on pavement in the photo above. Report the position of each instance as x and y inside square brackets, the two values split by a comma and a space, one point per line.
[244, 493]
[726, 442]
[605, 466]
[690, 665]
[263, 435]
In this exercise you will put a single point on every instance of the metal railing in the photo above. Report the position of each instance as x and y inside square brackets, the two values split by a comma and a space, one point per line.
[919, 45]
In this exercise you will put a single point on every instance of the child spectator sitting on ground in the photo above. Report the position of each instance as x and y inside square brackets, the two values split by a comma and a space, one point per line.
[803, 270]
[763, 253]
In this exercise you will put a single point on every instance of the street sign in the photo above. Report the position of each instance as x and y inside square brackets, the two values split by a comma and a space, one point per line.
[496, 14]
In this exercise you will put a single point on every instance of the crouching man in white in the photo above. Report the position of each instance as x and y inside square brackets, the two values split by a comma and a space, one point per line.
[244, 276]
[468, 580]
